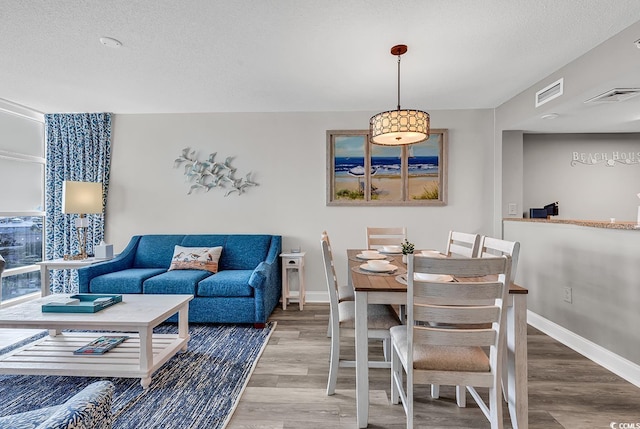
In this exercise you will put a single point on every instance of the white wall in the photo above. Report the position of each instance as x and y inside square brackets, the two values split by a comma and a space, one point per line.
[594, 192]
[599, 265]
[287, 153]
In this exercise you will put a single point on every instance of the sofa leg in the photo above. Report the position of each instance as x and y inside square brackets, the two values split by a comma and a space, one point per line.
[259, 325]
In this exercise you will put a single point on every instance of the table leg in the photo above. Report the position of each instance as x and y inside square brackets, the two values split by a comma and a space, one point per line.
[517, 390]
[285, 287]
[146, 354]
[183, 324]
[301, 296]
[362, 360]
[44, 280]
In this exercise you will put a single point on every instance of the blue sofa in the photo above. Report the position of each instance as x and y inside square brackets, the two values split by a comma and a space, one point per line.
[245, 289]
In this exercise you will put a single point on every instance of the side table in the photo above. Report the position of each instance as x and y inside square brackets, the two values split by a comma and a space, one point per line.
[292, 263]
[61, 264]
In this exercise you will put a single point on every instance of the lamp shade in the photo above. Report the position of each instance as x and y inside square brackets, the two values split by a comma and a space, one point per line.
[399, 127]
[81, 197]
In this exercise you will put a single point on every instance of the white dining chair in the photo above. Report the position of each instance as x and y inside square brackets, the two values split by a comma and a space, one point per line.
[424, 353]
[381, 318]
[379, 237]
[462, 244]
[488, 247]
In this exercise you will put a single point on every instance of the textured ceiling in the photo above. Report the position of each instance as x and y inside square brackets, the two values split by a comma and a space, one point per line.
[290, 55]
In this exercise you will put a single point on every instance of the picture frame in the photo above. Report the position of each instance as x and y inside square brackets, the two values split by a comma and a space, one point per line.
[360, 173]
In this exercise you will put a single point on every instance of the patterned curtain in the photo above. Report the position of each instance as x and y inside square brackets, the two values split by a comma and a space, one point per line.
[78, 148]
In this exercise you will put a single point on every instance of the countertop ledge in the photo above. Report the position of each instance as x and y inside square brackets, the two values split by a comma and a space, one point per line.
[591, 223]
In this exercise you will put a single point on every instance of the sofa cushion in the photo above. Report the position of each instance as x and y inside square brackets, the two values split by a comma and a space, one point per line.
[204, 240]
[244, 252]
[196, 258]
[155, 251]
[226, 283]
[125, 281]
[175, 282]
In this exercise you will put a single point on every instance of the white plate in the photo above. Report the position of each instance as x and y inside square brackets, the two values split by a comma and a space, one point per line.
[431, 254]
[365, 257]
[389, 268]
[424, 277]
[402, 278]
[390, 253]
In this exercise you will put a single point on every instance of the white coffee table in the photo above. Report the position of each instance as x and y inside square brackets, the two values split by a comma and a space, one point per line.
[136, 316]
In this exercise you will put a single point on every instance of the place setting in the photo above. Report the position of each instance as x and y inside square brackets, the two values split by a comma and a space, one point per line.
[425, 277]
[379, 267]
[391, 250]
[368, 255]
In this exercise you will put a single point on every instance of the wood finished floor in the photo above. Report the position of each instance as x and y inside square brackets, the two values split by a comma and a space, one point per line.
[287, 389]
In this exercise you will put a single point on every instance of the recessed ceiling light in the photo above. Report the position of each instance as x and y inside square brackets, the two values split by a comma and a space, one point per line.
[550, 116]
[110, 42]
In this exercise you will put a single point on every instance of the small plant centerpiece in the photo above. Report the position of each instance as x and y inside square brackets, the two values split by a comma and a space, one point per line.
[407, 248]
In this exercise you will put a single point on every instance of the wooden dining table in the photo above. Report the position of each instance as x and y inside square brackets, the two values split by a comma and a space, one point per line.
[384, 288]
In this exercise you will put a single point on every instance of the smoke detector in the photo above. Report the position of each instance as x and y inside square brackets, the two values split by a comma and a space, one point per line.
[110, 42]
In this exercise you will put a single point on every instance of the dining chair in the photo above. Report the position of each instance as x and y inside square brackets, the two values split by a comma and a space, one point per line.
[424, 353]
[462, 244]
[379, 237]
[381, 318]
[489, 247]
[2, 265]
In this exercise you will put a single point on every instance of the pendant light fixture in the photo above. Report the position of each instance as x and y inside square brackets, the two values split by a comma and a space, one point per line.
[400, 126]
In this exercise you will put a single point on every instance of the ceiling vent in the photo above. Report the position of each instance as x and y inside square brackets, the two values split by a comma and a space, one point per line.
[615, 95]
[549, 92]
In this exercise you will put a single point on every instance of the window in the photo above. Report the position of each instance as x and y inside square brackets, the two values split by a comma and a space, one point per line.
[22, 165]
[361, 173]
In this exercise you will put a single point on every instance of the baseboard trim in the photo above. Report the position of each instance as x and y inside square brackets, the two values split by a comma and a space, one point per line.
[609, 360]
[318, 297]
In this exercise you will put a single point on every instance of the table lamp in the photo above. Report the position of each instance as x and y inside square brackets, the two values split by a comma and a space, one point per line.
[81, 198]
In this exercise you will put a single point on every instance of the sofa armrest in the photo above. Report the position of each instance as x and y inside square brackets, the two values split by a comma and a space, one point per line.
[121, 262]
[90, 408]
[266, 279]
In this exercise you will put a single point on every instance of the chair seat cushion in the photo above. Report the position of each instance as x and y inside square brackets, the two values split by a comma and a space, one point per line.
[379, 316]
[440, 358]
[346, 293]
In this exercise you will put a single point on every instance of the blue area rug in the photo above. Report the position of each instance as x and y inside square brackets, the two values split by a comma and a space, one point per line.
[195, 389]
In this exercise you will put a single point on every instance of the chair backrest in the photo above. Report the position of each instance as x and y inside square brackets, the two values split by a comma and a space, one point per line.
[378, 237]
[2, 265]
[490, 246]
[471, 307]
[462, 244]
[330, 274]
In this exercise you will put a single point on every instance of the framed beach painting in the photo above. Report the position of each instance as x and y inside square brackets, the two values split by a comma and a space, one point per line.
[361, 173]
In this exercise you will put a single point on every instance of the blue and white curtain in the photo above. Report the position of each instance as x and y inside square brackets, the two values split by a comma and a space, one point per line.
[78, 147]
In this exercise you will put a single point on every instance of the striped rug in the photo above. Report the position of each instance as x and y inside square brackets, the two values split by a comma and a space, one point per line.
[195, 389]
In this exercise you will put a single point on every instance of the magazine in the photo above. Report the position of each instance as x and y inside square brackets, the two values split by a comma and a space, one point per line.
[100, 346]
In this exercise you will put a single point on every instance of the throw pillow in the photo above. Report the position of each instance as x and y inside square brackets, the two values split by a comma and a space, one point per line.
[196, 258]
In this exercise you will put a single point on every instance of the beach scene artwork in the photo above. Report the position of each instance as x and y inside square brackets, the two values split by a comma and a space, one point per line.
[396, 173]
[424, 169]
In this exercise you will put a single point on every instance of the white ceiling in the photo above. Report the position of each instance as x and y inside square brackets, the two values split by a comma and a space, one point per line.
[290, 55]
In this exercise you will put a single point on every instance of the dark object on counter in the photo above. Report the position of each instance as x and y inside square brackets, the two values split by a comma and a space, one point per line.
[544, 213]
[552, 209]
